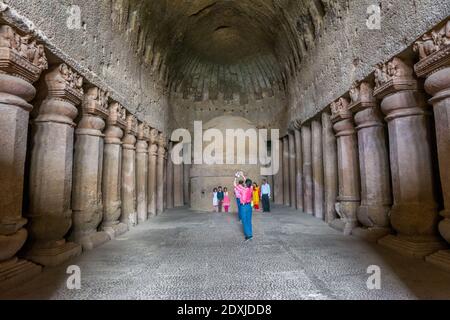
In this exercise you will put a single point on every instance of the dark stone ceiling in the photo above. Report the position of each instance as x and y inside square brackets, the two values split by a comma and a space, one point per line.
[208, 48]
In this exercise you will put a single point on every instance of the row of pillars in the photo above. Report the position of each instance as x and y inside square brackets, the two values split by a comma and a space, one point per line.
[378, 165]
[94, 178]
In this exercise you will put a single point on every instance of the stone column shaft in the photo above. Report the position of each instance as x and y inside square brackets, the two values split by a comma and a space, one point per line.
[307, 170]
[186, 179]
[112, 172]
[414, 214]
[170, 179]
[178, 185]
[330, 169]
[129, 202]
[317, 168]
[160, 175]
[298, 170]
[278, 192]
[87, 202]
[292, 170]
[376, 200]
[16, 90]
[51, 170]
[434, 65]
[142, 172]
[152, 172]
[286, 171]
[348, 166]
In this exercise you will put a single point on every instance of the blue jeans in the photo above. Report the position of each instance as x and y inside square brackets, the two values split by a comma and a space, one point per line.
[247, 220]
[238, 202]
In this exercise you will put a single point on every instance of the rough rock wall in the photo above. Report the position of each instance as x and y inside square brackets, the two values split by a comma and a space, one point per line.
[111, 49]
[268, 112]
[347, 50]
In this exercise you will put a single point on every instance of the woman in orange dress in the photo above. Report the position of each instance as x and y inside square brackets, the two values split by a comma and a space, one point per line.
[256, 196]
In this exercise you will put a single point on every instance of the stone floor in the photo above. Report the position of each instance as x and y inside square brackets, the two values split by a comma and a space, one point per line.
[189, 255]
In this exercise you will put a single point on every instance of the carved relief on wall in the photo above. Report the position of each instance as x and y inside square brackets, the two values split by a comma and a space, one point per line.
[393, 76]
[96, 102]
[434, 50]
[21, 56]
[64, 83]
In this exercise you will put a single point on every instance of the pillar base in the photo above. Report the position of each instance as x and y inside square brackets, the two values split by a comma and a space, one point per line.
[370, 234]
[51, 257]
[115, 230]
[92, 240]
[410, 247]
[440, 259]
[337, 224]
[15, 272]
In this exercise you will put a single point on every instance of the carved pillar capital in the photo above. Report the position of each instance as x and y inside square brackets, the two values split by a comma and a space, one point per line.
[143, 135]
[342, 118]
[95, 111]
[21, 56]
[399, 90]
[116, 123]
[434, 53]
[131, 129]
[153, 145]
[364, 105]
[22, 61]
[65, 92]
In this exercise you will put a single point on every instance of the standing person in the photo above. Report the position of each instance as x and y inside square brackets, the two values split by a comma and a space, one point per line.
[215, 200]
[265, 196]
[238, 187]
[246, 208]
[226, 200]
[256, 196]
[220, 196]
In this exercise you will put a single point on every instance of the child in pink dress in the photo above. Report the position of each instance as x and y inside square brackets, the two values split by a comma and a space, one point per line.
[226, 200]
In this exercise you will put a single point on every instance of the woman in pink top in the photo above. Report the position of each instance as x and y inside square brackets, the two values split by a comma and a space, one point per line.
[226, 199]
[246, 194]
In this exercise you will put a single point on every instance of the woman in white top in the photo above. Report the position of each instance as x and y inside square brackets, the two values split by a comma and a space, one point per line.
[215, 200]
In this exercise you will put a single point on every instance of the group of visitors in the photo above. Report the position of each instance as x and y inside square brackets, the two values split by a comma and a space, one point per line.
[248, 197]
[221, 199]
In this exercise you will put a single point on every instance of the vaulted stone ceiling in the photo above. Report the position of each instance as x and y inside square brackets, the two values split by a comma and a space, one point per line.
[232, 47]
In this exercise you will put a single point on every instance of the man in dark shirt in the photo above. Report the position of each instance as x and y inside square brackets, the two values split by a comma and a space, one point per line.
[220, 197]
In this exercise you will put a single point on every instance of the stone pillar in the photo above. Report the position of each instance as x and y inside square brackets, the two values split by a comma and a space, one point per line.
[165, 179]
[435, 66]
[152, 173]
[142, 171]
[330, 175]
[414, 215]
[278, 192]
[307, 170]
[87, 202]
[286, 181]
[376, 200]
[298, 169]
[112, 175]
[160, 174]
[317, 168]
[17, 73]
[169, 178]
[292, 170]
[129, 213]
[186, 179]
[348, 166]
[178, 185]
[50, 211]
